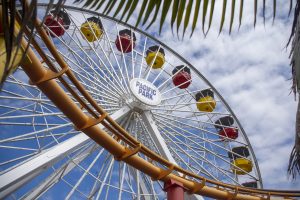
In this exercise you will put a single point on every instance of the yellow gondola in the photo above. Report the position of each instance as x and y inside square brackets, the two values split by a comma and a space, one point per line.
[92, 29]
[157, 53]
[205, 101]
[240, 164]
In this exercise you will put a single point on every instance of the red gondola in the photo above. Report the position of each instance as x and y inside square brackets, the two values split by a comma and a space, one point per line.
[231, 133]
[225, 131]
[125, 41]
[57, 22]
[182, 79]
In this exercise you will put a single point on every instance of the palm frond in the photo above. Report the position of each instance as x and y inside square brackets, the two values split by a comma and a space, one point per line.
[181, 9]
[294, 162]
[17, 16]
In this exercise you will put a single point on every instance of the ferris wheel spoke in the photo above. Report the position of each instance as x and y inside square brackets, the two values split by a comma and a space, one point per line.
[20, 158]
[186, 154]
[23, 98]
[105, 92]
[121, 180]
[84, 174]
[179, 147]
[33, 115]
[205, 140]
[198, 113]
[143, 56]
[15, 109]
[123, 58]
[152, 63]
[106, 179]
[163, 84]
[179, 104]
[117, 61]
[61, 172]
[86, 79]
[22, 85]
[75, 54]
[157, 137]
[33, 133]
[163, 70]
[129, 181]
[13, 81]
[117, 94]
[147, 139]
[112, 74]
[104, 170]
[21, 174]
[180, 95]
[166, 121]
[191, 118]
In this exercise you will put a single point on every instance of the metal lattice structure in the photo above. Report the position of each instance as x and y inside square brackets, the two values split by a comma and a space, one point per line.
[82, 93]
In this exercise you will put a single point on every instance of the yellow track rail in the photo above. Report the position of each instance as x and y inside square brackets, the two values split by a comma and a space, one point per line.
[45, 79]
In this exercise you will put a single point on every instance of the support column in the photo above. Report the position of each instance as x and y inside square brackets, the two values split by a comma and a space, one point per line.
[174, 189]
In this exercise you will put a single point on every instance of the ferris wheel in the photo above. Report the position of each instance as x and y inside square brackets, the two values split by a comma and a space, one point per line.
[146, 87]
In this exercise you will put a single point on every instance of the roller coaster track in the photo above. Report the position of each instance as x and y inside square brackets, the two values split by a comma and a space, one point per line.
[114, 138]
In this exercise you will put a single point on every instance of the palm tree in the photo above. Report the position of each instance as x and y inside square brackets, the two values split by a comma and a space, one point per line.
[181, 13]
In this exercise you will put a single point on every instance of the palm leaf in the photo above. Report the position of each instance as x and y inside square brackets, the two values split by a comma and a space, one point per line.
[211, 13]
[232, 15]
[255, 12]
[196, 14]
[187, 16]
[145, 2]
[157, 6]
[274, 10]
[132, 8]
[294, 162]
[264, 11]
[241, 12]
[121, 4]
[164, 12]
[126, 9]
[180, 13]
[205, 6]
[174, 12]
[223, 15]
[149, 10]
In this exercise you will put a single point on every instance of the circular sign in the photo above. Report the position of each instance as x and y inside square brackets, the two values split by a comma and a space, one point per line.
[145, 91]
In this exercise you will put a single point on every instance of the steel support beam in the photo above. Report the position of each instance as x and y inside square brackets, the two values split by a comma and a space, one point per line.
[162, 146]
[59, 174]
[156, 136]
[18, 176]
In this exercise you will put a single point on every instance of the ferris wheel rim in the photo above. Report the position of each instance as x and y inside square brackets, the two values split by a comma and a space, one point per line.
[207, 83]
[184, 61]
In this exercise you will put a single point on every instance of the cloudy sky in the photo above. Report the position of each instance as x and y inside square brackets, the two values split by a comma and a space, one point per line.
[250, 68]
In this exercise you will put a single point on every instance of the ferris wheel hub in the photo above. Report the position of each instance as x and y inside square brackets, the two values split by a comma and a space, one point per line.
[145, 92]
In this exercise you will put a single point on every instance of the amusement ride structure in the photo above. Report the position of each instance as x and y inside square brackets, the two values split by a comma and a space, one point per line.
[102, 110]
